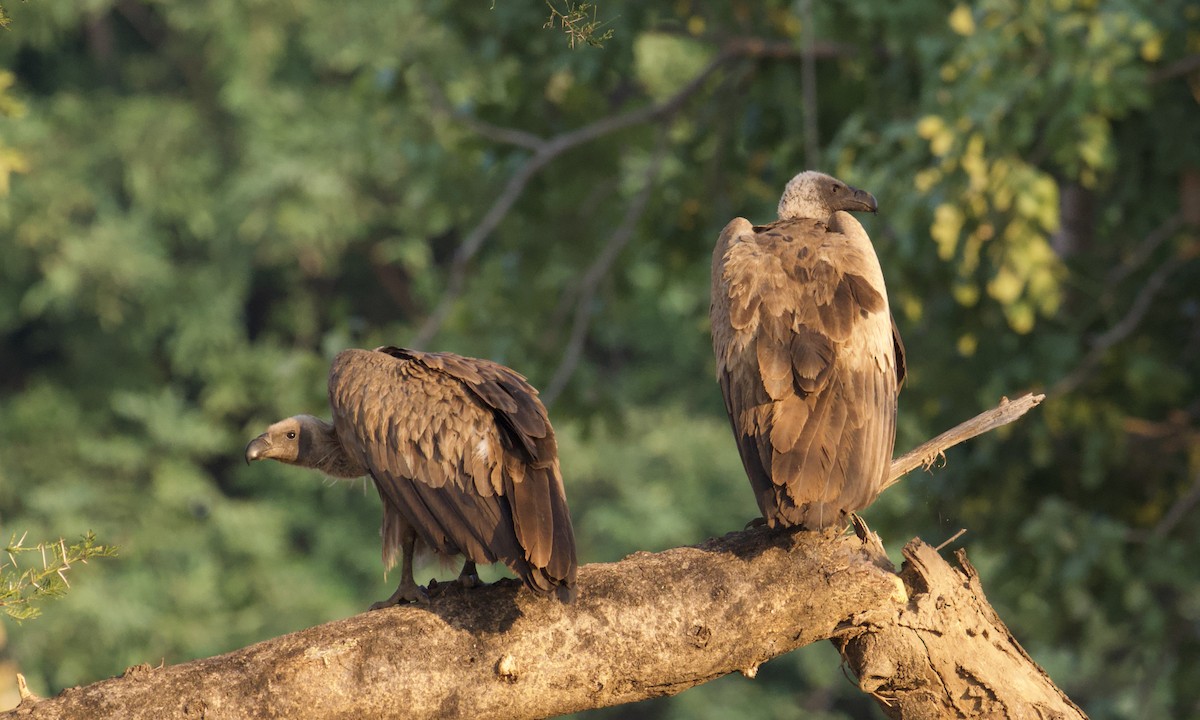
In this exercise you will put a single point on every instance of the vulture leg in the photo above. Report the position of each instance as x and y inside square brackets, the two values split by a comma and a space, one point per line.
[468, 578]
[408, 590]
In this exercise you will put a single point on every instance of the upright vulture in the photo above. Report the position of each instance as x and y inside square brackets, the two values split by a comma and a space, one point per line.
[461, 452]
[808, 357]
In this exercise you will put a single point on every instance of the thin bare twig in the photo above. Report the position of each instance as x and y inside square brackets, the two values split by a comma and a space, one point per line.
[952, 538]
[927, 452]
[581, 321]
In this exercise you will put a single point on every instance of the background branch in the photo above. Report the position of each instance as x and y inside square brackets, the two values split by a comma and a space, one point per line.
[546, 150]
[596, 272]
[1124, 327]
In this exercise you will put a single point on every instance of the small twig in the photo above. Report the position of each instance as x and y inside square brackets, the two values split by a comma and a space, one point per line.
[599, 268]
[24, 692]
[951, 539]
[923, 454]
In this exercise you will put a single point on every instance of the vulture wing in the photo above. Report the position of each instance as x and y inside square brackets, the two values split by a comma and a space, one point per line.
[809, 364]
[463, 450]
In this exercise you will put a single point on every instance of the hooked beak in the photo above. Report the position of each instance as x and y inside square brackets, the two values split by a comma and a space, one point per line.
[257, 448]
[861, 201]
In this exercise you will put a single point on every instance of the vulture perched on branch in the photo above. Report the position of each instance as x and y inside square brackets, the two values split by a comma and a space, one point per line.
[808, 357]
[461, 452]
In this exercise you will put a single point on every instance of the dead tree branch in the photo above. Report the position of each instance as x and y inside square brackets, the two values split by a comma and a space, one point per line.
[925, 643]
[927, 452]
[947, 654]
[649, 625]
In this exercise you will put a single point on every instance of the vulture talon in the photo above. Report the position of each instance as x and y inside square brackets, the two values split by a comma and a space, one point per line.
[756, 523]
[468, 578]
[408, 592]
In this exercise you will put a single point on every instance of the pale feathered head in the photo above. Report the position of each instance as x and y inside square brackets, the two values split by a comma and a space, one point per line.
[818, 196]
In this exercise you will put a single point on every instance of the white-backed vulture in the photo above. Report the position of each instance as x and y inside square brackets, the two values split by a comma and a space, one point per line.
[463, 456]
[808, 357]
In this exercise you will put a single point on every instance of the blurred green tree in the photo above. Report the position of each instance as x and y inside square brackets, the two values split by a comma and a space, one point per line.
[212, 199]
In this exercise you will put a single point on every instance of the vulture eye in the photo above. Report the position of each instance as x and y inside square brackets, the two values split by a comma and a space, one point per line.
[291, 435]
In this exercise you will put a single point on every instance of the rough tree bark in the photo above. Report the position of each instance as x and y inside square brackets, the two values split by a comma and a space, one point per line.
[924, 642]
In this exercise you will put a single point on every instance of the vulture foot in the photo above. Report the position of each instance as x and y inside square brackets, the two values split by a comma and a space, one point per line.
[756, 523]
[408, 592]
[468, 578]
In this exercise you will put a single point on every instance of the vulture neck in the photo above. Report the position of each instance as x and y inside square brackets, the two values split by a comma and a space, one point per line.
[326, 453]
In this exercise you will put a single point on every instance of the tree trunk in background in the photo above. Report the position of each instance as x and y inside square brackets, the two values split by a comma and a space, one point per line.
[1077, 218]
[925, 642]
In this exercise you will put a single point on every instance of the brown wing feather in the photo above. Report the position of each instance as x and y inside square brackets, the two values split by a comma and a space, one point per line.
[532, 481]
[809, 365]
[464, 450]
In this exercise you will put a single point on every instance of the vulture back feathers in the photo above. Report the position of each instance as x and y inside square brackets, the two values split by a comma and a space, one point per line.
[463, 456]
[808, 358]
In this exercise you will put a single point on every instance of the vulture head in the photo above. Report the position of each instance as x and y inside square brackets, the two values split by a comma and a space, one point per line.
[818, 196]
[298, 440]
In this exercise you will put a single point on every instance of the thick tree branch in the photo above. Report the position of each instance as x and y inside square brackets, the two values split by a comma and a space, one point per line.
[925, 643]
[650, 625]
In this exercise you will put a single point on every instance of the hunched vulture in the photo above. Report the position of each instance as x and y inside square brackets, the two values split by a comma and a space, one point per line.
[463, 456]
[808, 356]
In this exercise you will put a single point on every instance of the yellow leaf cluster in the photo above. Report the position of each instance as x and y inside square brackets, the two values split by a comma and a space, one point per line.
[947, 225]
[961, 21]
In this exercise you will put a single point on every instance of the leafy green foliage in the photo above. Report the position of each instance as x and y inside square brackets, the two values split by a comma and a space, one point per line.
[208, 201]
[34, 577]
